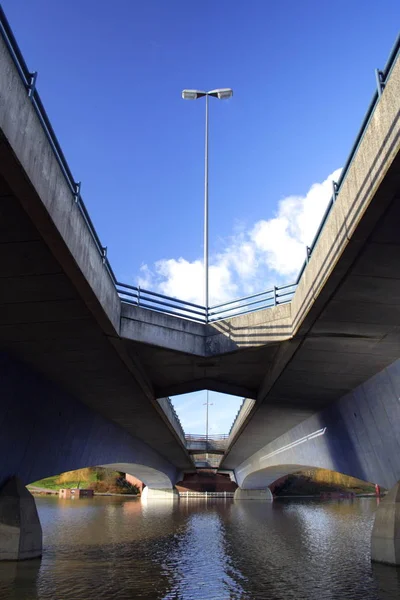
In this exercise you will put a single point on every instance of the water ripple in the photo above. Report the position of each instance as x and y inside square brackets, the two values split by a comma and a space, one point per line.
[116, 547]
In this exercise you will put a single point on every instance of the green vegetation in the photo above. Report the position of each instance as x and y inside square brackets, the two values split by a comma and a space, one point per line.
[314, 481]
[99, 479]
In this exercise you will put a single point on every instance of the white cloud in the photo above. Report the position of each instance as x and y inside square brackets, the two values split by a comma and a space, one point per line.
[282, 240]
[270, 252]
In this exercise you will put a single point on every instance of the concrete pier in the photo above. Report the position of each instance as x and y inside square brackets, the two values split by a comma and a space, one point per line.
[265, 494]
[154, 494]
[20, 529]
[385, 542]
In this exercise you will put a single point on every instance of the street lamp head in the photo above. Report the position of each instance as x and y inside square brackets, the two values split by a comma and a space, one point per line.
[192, 94]
[221, 93]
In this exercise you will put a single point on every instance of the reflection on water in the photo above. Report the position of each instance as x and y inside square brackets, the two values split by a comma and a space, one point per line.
[198, 550]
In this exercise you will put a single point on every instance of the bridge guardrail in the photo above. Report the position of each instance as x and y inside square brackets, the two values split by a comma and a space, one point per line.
[153, 300]
[138, 296]
[185, 494]
[203, 443]
[29, 80]
[381, 78]
[143, 298]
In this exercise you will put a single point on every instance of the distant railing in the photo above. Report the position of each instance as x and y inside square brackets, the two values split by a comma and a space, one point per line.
[29, 80]
[206, 495]
[202, 443]
[153, 300]
[159, 302]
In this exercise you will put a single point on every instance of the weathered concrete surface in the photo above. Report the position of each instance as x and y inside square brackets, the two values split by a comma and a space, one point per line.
[340, 328]
[345, 312]
[359, 435]
[244, 494]
[50, 432]
[385, 546]
[153, 478]
[183, 356]
[60, 312]
[162, 330]
[48, 199]
[270, 325]
[149, 495]
[20, 529]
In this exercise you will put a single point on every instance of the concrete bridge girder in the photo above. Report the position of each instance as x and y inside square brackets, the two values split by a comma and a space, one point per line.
[151, 477]
[45, 431]
[358, 435]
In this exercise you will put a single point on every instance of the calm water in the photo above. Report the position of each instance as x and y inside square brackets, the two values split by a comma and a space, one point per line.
[194, 550]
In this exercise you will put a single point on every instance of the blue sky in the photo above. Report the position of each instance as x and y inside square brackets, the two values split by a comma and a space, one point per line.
[110, 77]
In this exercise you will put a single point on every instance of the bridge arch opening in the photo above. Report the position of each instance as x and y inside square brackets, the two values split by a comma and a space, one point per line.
[149, 476]
[298, 479]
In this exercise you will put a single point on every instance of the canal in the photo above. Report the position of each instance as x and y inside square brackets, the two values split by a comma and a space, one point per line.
[113, 547]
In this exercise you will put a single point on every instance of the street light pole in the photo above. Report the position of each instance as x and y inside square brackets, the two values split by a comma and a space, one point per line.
[207, 403]
[206, 218]
[221, 94]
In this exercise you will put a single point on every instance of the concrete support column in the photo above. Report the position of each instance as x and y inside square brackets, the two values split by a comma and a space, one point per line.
[264, 494]
[163, 494]
[20, 529]
[385, 542]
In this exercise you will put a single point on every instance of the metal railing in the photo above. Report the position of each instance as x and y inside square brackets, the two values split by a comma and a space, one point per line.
[29, 80]
[143, 298]
[199, 437]
[249, 304]
[153, 300]
[203, 443]
[206, 495]
[381, 78]
[159, 302]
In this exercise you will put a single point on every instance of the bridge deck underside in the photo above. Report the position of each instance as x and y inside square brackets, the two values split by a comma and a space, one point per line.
[172, 373]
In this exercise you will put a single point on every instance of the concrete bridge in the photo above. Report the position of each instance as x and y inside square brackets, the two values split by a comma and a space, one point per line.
[83, 368]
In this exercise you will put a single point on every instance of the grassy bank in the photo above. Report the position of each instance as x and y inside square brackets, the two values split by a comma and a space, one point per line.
[97, 479]
[313, 482]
